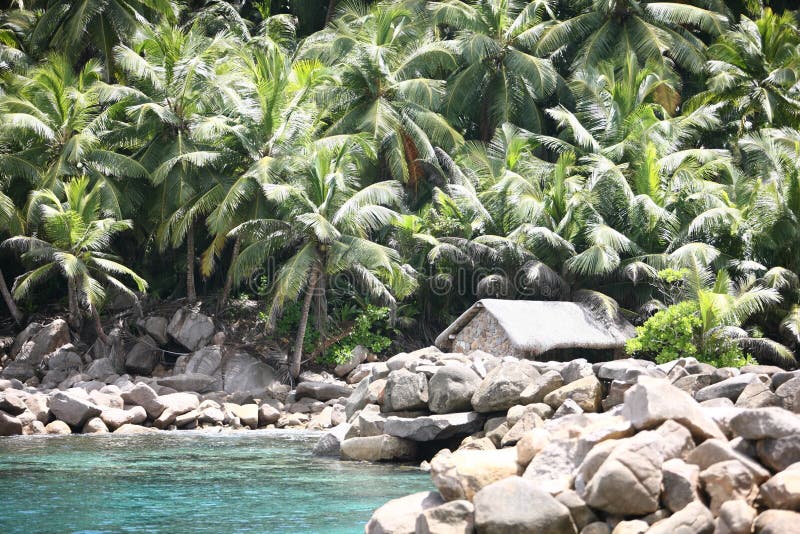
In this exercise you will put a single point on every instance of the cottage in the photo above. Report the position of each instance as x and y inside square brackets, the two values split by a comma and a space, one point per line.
[537, 329]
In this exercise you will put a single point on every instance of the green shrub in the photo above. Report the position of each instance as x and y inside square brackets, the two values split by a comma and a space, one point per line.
[677, 333]
[369, 331]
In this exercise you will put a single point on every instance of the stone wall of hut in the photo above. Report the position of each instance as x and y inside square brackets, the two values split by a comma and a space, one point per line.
[484, 333]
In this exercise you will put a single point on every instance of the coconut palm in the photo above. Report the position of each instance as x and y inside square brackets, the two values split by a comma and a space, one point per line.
[7, 214]
[664, 32]
[326, 223]
[72, 239]
[499, 80]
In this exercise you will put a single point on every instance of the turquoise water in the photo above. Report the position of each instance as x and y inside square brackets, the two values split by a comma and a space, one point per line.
[265, 481]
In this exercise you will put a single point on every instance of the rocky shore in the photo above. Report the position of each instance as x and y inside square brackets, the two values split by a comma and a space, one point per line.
[621, 447]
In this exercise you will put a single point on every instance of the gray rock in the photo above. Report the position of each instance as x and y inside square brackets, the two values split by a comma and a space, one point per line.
[460, 475]
[777, 522]
[357, 356]
[72, 410]
[757, 394]
[541, 386]
[9, 425]
[434, 427]
[322, 391]
[576, 369]
[552, 468]
[207, 361]
[64, 359]
[763, 423]
[245, 373]
[502, 387]
[730, 388]
[680, 484]
[735, 517]
[116, 417]
[43, 342]
[189, 382]
[330, 444]
[780, 453]
[693, 383]
[12, 402]
[713, 451]
[268, 414]
[788, 391]
[358, 398]
[191, 329]
[142, 357]
[378, 448]
[95, 426]
[175, 404]
[693, 519]
[516, 506]
[23, 337]
[18, 370]
[144, 396]
[399, 516]
[653, 401]
[155, 327]
[728, 481]
[100, 369]
[405, 391]
[675, 439]
[783, 489]
[451, 389]
[585, 392]
[581, 514]
[454, 517]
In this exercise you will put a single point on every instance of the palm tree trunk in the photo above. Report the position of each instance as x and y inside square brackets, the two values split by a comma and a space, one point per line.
[297, 354]
[191, 295]
[74, 309]
[10, 304]
[98, 326]
[329, 13]
[226, 291]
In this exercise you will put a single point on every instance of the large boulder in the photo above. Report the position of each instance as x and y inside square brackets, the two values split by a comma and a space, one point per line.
[693, 519]
[322, 391]
[454, 517]
[653, 401]
[730, 388]
[244, 373]
[585, 392]
[72, 410]
[629, 467]
[197, 382]
[541, 386]
[191, 329]
[765, 423]
[358, 398]
[155, 327]
[142, 357]
[434, 427]
[780, 453]
[175, 404]
[735, 517]
[330, 444]
[45, 341]
[777, 522]
[516, 506]
[553, 466]
[680, 484]
[502, 387]
[9, 425]
[12, 402]
[451, 388]
[146, 397]
[116, 417]
[399, 516]
[357, 356]
[378, 448]
[783, 490]
[405, 391]
[728, 481]
[100, 369]
[460, 475]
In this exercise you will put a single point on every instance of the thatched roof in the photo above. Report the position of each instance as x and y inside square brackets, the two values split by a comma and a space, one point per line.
[540, 326]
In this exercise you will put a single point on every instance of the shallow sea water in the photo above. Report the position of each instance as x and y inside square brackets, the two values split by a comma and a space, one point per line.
[259, 481]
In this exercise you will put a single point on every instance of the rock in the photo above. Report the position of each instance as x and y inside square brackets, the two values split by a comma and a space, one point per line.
[454, 517]
[585, 392]
[144, 396]
[399, 516]
[22, 371]
[576, 369]
[378, 448]
[267, 414]
[693, 519]
[530, 444]
[207, 361]
[39, 405]
[72, 410]
[191, 329]
[58, 428]
[632, 468]
[777, 522]
[12, 402]
[128, 429]
[405, 391]
[43, 342]
[243, 372]
[106, 400]
[451, 389]
[676, 440]
[502, 387]
[783, 490]
[527, 422]
[762, 423]
[155, 327]
[728, 480]
[680, 483]
[634, 526]
[434, 427]
[247, 414]
[358, 398]
[730, 388]
[622, 369]
[757, 394]
[115, 417]
[322, 391]
[9, 425]
[357, 356]
[581, 514]
[735, 517]
[787, 392]
[551, 469]
[778, 454]
[100, 369]
[23, 337]
[597, 527]
[95, 426]
[330, 443]
[195, 382]
[175, 404]
[516, 506]
[142, 358]
[540, 387]
[653, 401]
[714, 451]
[460, 475]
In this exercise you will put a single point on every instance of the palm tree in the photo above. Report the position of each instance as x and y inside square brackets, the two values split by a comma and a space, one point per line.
[326, 223]
[66, 24]
[7, 213]
[72, 239]
[391, 85]
[174, 110]
[499, 80]
[663, 32]
[754, 70]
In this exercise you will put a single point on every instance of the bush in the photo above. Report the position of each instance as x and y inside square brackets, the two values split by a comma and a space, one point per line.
[677, 332]
[369, 331]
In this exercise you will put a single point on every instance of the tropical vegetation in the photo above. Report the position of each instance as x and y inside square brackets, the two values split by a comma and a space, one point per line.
[409, 156]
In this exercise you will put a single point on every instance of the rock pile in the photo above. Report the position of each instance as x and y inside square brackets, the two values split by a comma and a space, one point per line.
[625, 446]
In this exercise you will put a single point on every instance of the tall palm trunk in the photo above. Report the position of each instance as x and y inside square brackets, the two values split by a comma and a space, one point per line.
[191, 295]
[329, 13]
[297, 354]
[74, 310]
[10, 304]
[98, 326]
[226, 291]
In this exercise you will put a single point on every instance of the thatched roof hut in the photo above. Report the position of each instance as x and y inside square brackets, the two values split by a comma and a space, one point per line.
[527, 328]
